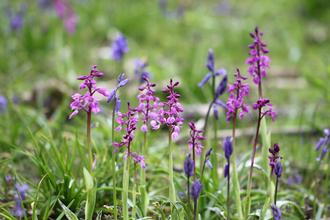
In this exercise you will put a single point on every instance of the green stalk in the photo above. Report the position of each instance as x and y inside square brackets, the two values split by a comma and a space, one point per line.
[235, 176]
[126, 184]
[90, 154]
[228, 192]
[170, 171]
[114, 161]
[202, 155]
[315, 189]
[326, 187]
[195, 210]
[144, 152]
[215, 174]
[189, 208]
[248, 199]
[275, 197]
[134, 192]
[269, 196]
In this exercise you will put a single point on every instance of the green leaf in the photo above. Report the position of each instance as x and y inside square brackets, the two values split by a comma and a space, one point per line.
[91, 195]
[144, 200]
[62, 214]
[8, 215]
[70, 215]
[319, 212]
[296, 208]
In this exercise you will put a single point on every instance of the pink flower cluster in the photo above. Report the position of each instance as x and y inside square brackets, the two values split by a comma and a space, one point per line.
[169, 112]
[238, 92]
[258, 62]
[81, 102]
[146, 108]
[130, 123]
[263, 103]
[273, 159]
[195, 138]
[67, 14]
[136, 158]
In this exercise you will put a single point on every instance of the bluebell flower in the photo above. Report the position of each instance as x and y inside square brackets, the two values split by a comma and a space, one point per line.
[119, 48]
[276, 212]
[189, 165]
[18, 207]
[207, 158]
[3, 104]
[228, 148]
[121, 83]
[21, 189]
[278, 168]
[195, 190]
[141, 70]
[323, 143]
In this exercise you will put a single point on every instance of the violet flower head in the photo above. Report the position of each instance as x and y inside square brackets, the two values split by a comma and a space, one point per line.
[210, 65]
[195, 138]
[119, 48]
[275, 156]
[237, 93]
[169, 112]
[261, 103]
[3, 104]
[148, 104]
[18, 207]
[228, 148]
[130, 123]
[141, 70]
[278, 168]
[323, 143]
[195, 190]
[207, 158]
[276, 212]
[258, 61]
[137, 159]
[66, 13]
[189, 165]
[16, 22]
[220, 90]
[22, 189]
[88, 102]
[113, 93]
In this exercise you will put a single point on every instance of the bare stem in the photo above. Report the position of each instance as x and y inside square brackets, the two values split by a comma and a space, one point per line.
[275, 197]
[228, 192]
[189, 208]
[114, 161]
[90, 154]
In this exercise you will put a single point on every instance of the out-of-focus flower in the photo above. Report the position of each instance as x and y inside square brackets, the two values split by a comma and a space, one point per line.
[138, 159]
[88, 102]
[258, 62]
[141, 70]
[276, 212]
[3, 104]
[119, 48]
[237, 93]
[67, 14]
[18, 207]
[22, 189]
[324, 143]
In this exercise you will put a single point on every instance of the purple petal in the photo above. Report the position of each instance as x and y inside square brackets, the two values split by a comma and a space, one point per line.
[122, 83]
[206, 78]
[118, 103]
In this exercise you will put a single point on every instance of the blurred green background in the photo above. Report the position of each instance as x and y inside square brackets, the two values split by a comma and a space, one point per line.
[40, 61]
